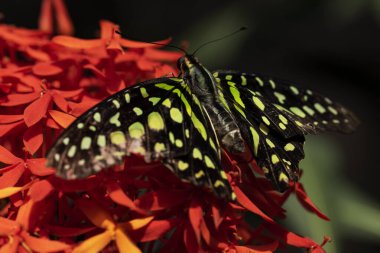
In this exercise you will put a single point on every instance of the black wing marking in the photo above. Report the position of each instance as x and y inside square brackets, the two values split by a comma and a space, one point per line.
[158, 119]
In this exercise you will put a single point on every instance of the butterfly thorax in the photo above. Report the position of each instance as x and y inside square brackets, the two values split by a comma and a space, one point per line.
[203, 85]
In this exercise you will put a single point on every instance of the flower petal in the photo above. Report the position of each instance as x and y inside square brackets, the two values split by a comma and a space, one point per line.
[291, 238]
[163, 199]
[38, 54]
[69, 93]
[46, 17]
[38, 168]
[10, 178]
[6, 119]
[124, 243]
[7, 157]
[61, 102]
[46, 69]
[24, 213]
[8, 128]
[8, 226]
[43, 244]
[196, 217]
[11, 246]
[267, 248]
[63, 119]
[190, 240]
[107, 29]
[154, 230]
[136, 223]
[9, 191]
[64, 23]
[306, 201]
[33, 138]
[71, 42]
[96, 214]
[20, 99]
[247, 203]
[139, 44]
[68, 231]
[37, 110]
[40, 190]
[95, 243]
[117, 194]
[161, 55]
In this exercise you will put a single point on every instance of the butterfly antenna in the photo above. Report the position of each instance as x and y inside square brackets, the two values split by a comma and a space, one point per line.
[160, 44]
[219, 39]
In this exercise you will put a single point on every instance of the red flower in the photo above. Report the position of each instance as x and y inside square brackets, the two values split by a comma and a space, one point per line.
[44, 84]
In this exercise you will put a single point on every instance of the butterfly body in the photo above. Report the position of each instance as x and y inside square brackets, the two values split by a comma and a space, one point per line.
[185, 121]
[204, 85]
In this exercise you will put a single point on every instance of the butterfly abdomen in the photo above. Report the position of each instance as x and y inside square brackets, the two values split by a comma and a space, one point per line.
[225, 127]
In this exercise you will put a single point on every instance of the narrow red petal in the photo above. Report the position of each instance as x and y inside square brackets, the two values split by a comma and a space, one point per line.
[40, 190]
[160, 200]
[247, 203]
[196, 216]
[7, 128]
[161, 55]
[71, 42]
[37, 110]
[20, 99]
[46, 21]
[61, 102]
[190, 240]
[117, 194]
[46, 69]
[139, 44]
[24, 214]
[69, 93]
[154, 230]
[63, 119]
[6, 119]
[7, 157]
[266, 248]
[64, 23]
[33, 138]
[68, 231]
[10, 178]
[8, 227]
[43, 244]
[38, 168]
[307, 203]
[38, 55]
[290, 238]
[107, 29]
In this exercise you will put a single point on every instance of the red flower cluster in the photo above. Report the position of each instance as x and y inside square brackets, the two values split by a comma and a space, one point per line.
[44, 84]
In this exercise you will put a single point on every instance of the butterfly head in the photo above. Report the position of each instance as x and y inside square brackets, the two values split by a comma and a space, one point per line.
[187, 63]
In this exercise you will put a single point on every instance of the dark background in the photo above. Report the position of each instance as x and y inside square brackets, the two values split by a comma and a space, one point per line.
[332, 46]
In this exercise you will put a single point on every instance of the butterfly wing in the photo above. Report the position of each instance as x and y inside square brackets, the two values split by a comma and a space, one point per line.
[311, 111]
[158, 119]
[273, 117]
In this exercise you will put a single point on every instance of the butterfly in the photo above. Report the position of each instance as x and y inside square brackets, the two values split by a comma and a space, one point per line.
[185, 121]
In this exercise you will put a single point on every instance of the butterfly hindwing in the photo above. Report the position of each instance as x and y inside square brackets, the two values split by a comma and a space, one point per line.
[274, 115]
[277, 156]
[311, 111]
[158, 119]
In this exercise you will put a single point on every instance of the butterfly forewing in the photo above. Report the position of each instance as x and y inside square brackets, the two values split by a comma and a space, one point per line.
[160, 120]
